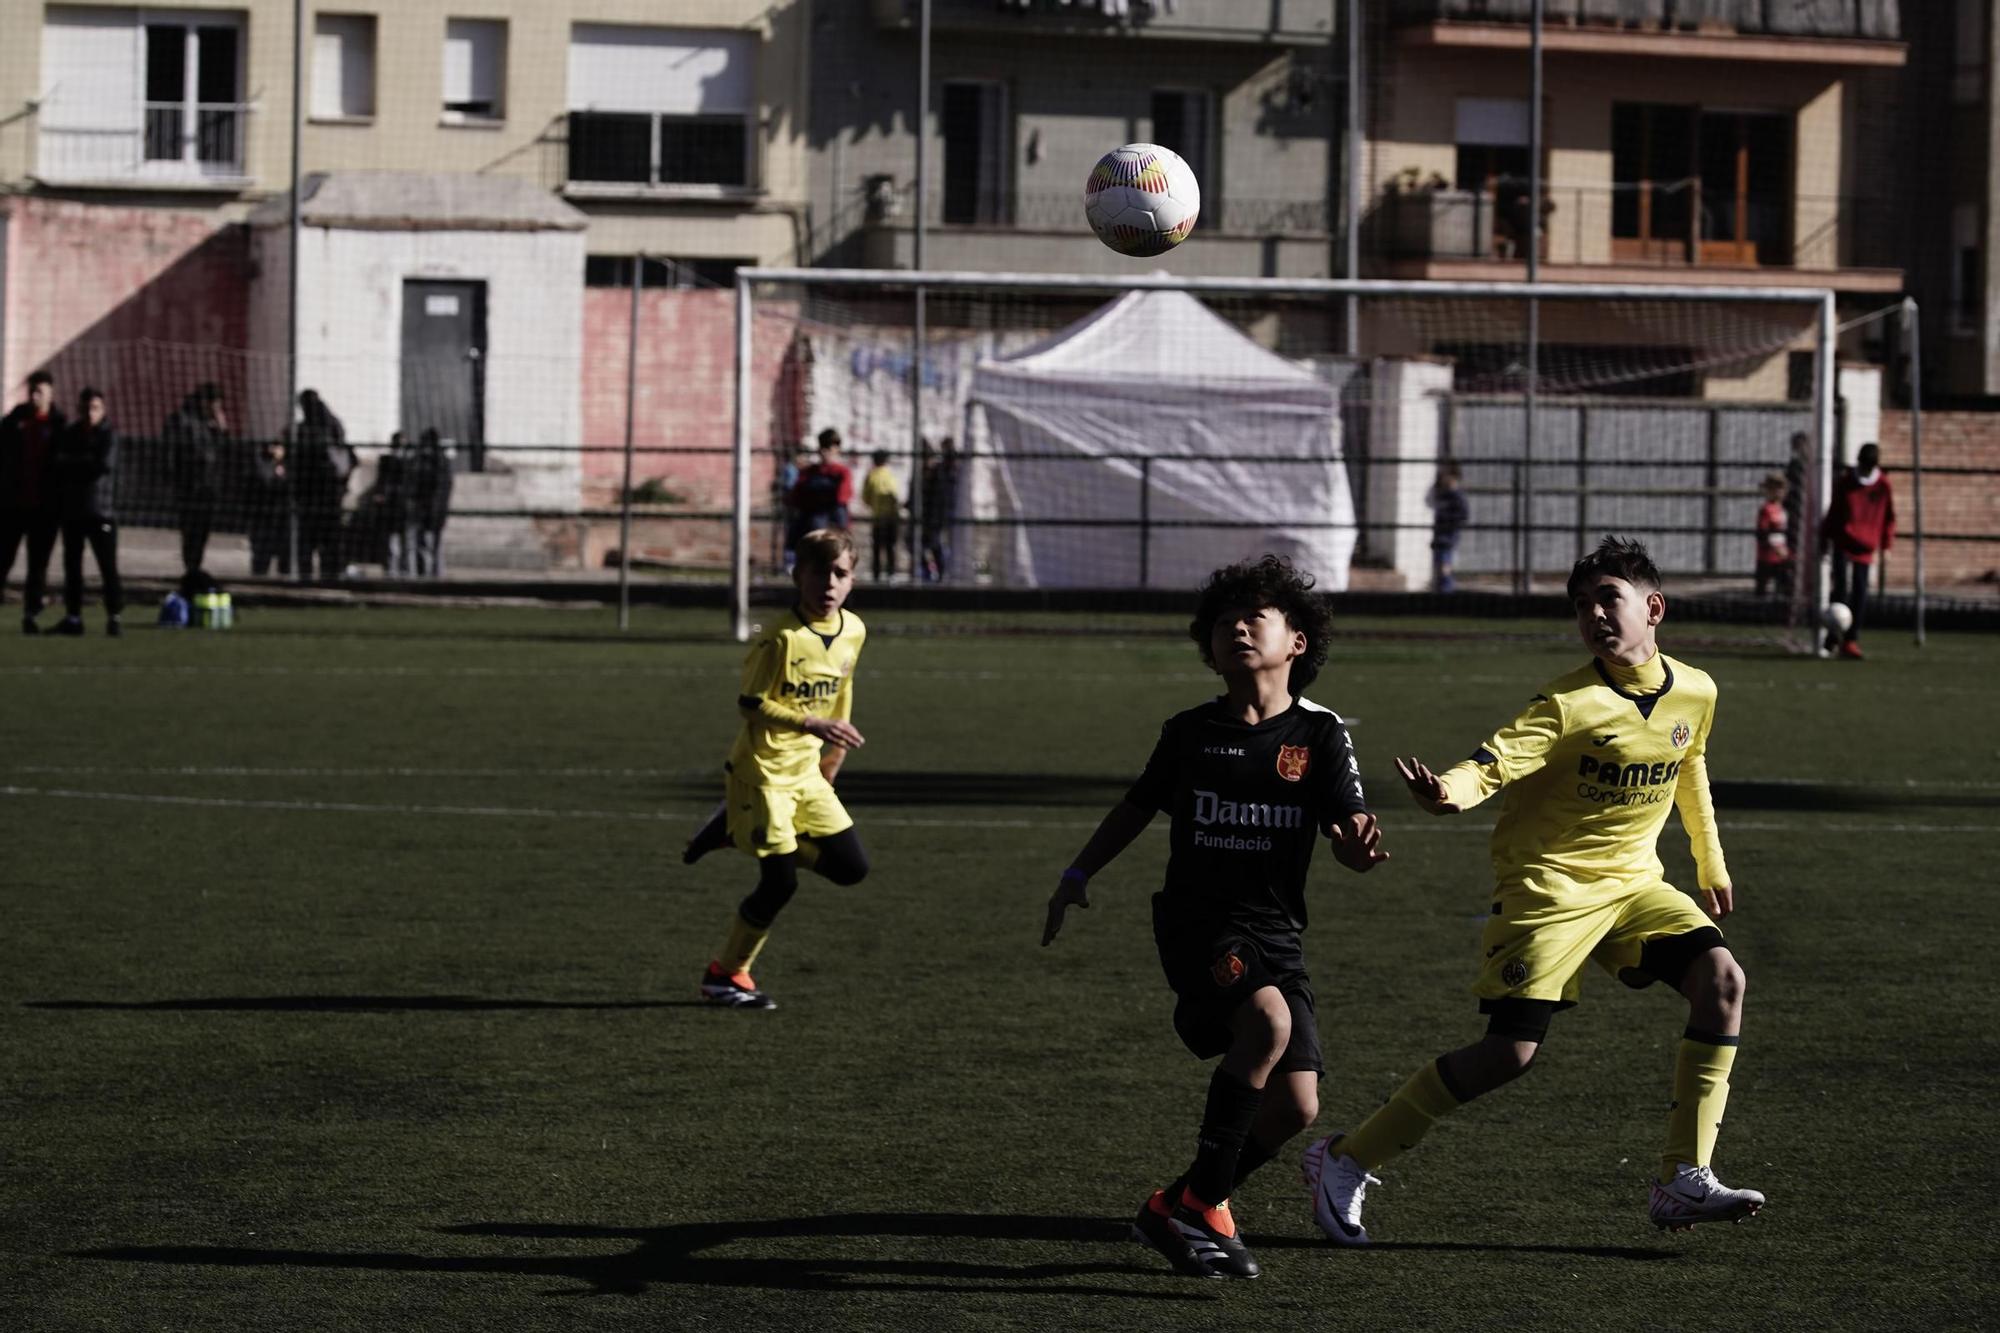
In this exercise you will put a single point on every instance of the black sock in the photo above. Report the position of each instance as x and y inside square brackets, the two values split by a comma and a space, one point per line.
[1232, 1107]
[1256, 1153]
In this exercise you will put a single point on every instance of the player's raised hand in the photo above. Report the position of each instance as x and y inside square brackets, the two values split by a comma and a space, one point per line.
[833, 729]
[1424, 786]
[1357, 842]
[1073, 891]
[1719, 901]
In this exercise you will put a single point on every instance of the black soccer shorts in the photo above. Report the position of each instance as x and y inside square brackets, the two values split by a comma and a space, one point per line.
[1214, 967]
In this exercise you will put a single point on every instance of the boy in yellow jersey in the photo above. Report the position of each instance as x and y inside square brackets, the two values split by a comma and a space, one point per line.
[1591, 768]
[796, 700]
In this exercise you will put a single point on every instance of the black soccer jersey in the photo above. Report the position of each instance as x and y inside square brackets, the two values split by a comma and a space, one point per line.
[1248, 803]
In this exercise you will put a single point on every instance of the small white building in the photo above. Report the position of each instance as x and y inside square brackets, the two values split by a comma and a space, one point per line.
[435, 301]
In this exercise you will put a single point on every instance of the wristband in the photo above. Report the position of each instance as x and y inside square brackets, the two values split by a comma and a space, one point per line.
[1074, 876]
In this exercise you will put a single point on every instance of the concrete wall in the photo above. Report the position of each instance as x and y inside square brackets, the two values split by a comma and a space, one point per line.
[1961, 513]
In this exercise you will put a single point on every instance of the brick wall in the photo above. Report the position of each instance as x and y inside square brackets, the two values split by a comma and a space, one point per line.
[87, 284]
[1956, 504]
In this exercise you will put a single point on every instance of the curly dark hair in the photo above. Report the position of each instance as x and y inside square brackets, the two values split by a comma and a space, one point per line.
[1620, 557]
[1271, 582]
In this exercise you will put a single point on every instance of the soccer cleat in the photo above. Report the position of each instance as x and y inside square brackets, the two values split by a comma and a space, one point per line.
[112, 629]
[1153, 1227]
[1851, 649]
[1695, 1195]
[712, 835]
[1211, 1234]
[1339, 1185]
[72, 626]
[735, 990]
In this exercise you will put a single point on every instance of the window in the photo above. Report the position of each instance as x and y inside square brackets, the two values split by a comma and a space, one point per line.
[974, 122]
[1492, 137]
[1700, 187]
[1969, 53]
[1182, 122]
[661, 106]
[475, 70]
[1968, 275]
[343, 67]
[662, 272]
[135, 95]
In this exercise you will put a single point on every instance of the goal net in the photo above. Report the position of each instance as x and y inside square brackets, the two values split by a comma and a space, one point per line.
[1066, 440]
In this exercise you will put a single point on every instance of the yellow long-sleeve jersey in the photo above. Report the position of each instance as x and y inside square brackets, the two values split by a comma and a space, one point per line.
[794, 670]
[1590, 769]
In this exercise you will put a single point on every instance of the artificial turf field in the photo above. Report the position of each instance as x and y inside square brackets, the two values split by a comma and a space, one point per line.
[348, 969]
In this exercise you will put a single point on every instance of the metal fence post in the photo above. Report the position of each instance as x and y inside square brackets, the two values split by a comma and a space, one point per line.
[631, 417]
[1145, 518]
[1711, 480]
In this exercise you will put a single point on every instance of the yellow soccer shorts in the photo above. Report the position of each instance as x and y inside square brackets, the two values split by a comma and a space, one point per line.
[1536, 944]
[769, 821]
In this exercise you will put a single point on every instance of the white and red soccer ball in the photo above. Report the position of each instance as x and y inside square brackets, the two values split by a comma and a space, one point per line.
[1142, 199]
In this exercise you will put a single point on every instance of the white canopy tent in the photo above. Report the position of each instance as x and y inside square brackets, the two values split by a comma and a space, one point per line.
[1155, 408]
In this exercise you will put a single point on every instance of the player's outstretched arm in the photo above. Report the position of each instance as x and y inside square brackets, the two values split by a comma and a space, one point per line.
[1357, 842]
[1424, 786]
[1124, 823]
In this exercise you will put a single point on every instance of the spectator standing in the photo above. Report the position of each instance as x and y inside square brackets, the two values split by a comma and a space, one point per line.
[783, 478]
[884, 499]
[197, 435]
[86, 482]
[823, 492]
[1797, 488]
[1859, 525]
[388, 506]
[28, 505]
[271, 511]
[1450, 511]
[322, 461]
[1774, 552]
[940, 496]
[430, 504]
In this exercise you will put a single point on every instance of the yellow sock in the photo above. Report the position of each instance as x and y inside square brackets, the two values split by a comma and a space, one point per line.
[745, 942]
[1701, 1090]
[1403, 1120]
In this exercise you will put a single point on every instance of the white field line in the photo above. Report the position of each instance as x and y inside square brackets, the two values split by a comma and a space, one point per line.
[676, 814]
[695, 774]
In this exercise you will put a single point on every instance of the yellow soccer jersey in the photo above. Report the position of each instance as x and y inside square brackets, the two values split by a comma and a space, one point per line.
[1590, 769]
[793, 671]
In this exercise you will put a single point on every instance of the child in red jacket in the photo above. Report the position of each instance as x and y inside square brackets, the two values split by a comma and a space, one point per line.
[1860, 523]
[1774, 552]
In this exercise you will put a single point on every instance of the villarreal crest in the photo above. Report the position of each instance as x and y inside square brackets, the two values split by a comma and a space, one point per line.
[1681, 734]
[1293, 761]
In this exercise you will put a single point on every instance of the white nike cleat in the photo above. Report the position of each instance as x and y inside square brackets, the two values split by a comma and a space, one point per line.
[1338, 1184]
[1695, 1195]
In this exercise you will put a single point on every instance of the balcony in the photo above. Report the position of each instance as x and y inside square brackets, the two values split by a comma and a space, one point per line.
[647, 156]
[1850, 32]
[1026, 232]
[1279, 22]
[1664, 231]
[171, 145]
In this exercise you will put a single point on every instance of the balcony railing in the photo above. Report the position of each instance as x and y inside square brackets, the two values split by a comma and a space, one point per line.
[157, 143]
[1300, 22]
[1655, 223]
[1872, 19]
[1027, 211]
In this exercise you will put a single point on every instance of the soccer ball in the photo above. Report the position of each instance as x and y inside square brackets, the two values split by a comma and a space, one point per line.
[1838, 619]
[1141, 199]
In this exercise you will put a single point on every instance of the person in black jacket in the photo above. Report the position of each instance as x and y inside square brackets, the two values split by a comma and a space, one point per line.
[27, 492]
[429, 480]
[271, 511]
[86, 470]
[321, 463]
[197, 436]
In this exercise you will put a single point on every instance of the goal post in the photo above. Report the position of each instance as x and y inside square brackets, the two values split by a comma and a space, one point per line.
[1101, 417]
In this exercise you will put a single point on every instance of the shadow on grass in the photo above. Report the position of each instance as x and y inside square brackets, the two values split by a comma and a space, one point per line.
[1820, 796]
[674, 1256]
[353, 1004]
[918, 787]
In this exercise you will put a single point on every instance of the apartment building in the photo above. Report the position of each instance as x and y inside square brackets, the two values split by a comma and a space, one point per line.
[1689, 142]
[477, 181]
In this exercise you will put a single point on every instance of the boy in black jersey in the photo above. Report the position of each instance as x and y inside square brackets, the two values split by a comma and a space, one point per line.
[1250, 780]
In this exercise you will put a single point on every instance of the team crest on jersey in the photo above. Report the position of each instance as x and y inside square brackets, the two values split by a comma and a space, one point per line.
[1227, 970]
[1514, 972]
[1294, 761]
[1681, 734]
